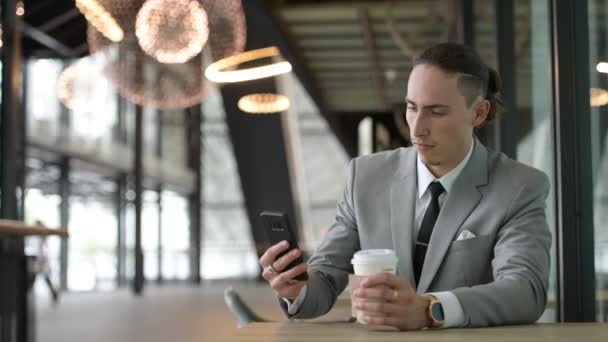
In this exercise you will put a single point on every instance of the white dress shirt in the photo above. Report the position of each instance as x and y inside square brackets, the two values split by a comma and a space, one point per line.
[452, 309]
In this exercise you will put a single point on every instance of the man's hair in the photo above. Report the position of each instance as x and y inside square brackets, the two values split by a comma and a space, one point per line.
[475, 77]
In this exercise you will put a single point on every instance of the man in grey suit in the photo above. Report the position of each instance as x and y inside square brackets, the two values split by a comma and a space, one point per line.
[467, 223]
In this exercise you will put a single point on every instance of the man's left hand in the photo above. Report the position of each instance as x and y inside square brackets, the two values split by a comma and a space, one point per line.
[385, 299]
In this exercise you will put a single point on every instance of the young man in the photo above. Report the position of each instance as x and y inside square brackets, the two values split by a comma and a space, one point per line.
[467, 223]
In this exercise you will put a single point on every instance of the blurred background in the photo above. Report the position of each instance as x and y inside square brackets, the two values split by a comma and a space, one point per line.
[155, 132]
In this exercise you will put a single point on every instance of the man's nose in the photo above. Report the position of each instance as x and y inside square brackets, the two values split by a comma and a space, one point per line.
[420, 125]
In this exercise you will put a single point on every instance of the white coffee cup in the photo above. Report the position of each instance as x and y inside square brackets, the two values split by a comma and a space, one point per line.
[368, 262]
[372, 261]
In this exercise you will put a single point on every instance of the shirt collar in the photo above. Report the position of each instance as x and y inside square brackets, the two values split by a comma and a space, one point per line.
[425, 177]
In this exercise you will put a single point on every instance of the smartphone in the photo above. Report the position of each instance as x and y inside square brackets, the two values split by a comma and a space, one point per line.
[277, 228]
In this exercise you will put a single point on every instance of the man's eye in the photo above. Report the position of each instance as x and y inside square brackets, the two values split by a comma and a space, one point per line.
[437, 113]
[411, 108]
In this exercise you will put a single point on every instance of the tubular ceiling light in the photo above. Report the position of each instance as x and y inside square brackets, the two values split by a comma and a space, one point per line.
[215, 72]
[101, 19]
[602, 67]
[263, 103]
[599, 97]
[172, 31]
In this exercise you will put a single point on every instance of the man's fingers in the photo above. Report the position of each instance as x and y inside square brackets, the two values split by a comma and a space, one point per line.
[385, 308]
[284, 278]
[268, 275]
[386, 279]
[382, 293]
[272, 252]
[281, 263]
[388, 321]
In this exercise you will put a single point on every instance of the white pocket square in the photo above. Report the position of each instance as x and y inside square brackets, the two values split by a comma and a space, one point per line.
[465, 235]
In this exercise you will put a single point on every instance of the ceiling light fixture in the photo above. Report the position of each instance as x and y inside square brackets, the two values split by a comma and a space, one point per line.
[172, 31]
[602, 67]
[216, 71]
[20, 9]
[101, 19]
[142, 79]
[65, 87]
[81, 86]
[263, 103]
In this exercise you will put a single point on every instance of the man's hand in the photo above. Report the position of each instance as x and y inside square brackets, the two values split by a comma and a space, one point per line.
[385, 299]
[281, 282]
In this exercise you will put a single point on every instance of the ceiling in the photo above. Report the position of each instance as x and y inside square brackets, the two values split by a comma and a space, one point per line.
[346, 46]
[54, 29]
[359, 53]
[350, 52]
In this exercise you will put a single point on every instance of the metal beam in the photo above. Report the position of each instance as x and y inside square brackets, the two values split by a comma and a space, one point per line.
[48, 41]
[372, 54]
[120, 135]
[194, 120]
[59, 20]
[15, 320]
[22, 146]
[121, 227]
[159, 246]
[10, 125]
[507, 132]
[138, 281]
[468, 22]
[159, 192]
[569, 63]
[64, 218]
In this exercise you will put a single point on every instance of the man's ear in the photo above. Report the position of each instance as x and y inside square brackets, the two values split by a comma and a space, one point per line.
[482, 108]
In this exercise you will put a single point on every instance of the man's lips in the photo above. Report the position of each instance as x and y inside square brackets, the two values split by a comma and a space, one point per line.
[423, 147]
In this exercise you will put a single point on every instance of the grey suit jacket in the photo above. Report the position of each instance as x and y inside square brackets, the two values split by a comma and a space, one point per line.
[500, 276]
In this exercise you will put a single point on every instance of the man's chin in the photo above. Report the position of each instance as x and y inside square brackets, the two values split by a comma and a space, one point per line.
[429, 159]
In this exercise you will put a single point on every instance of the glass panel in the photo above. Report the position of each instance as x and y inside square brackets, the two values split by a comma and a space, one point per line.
[533, 98]
[533, 110]
[93, 233]
[149, 236]
[227, 245]
[598, 52]
[175, 236]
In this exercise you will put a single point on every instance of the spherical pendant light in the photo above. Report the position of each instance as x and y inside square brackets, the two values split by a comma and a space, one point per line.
[149, 72]
[172, 31]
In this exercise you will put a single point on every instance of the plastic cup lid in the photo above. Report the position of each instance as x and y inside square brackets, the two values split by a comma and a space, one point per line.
[372, 256]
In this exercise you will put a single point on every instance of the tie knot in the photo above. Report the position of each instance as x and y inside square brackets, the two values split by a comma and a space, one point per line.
[436, 189]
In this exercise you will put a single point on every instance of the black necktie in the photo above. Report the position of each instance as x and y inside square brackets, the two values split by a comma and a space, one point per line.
[426, 229]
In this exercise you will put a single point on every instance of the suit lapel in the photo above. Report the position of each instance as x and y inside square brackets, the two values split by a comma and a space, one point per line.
[460, 202]
[403, 201]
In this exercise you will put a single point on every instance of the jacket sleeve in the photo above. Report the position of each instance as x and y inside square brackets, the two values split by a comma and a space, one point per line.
[331, 263]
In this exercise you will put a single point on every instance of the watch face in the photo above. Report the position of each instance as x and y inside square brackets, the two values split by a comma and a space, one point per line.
[437, 312]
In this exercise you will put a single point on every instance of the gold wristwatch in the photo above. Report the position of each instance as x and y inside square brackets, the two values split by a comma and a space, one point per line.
[435, 312]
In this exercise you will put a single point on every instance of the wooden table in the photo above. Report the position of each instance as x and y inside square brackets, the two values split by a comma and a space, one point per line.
[353, 332]
[18, 228]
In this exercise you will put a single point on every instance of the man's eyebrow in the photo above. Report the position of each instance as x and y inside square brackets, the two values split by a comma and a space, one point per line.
[432, 106]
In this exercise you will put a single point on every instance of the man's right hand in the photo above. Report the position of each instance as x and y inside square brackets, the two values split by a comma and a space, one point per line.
[281, 280]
